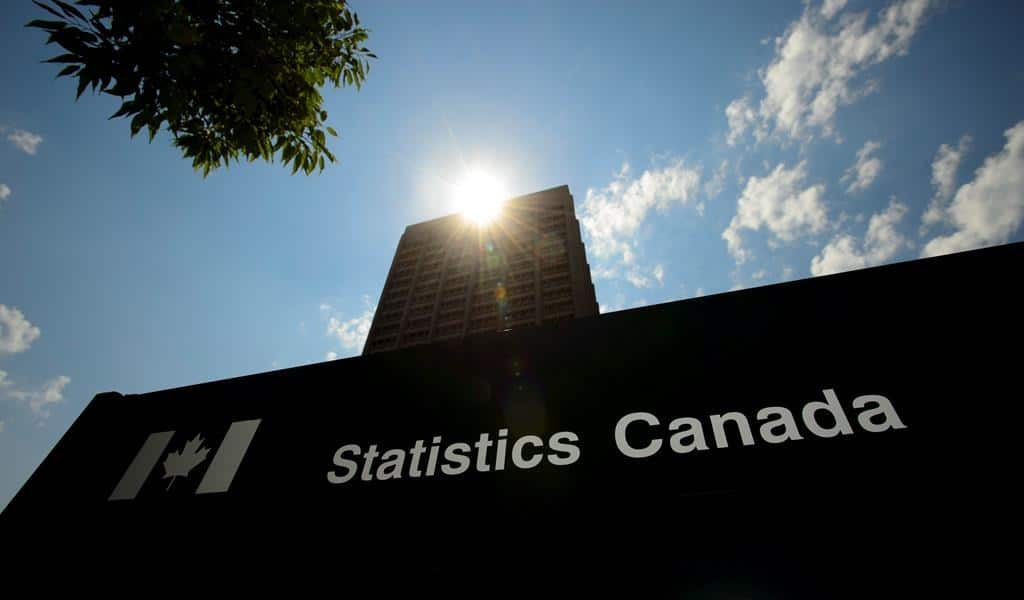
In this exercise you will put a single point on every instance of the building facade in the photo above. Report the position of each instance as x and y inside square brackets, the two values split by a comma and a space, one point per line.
[451, 277]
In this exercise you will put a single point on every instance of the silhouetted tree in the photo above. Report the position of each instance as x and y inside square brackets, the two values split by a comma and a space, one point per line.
[230, 78]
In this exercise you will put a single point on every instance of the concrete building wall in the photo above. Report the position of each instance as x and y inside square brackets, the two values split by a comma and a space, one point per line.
[451, 278]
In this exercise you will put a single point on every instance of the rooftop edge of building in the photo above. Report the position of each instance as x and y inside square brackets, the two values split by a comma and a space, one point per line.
[438, 220]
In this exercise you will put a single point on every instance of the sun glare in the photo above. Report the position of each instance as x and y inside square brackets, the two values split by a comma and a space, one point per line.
[479, 196]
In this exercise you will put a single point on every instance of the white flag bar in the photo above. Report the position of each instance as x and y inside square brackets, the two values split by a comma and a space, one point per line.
[225, 463]
[142, 465]
[218, 476]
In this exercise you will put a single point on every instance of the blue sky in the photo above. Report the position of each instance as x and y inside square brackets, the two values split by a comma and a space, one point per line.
[708, 145]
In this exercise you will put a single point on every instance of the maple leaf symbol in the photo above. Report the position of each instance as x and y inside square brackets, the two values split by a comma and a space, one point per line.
[178, 464]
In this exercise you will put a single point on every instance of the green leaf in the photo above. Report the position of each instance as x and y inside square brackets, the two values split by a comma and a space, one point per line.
[83, 81]
[47, 9]
[288, 154]
[64, 58]
[190, 88]
[137, 122]
[47, 25]
[69, 10]
[122, 88]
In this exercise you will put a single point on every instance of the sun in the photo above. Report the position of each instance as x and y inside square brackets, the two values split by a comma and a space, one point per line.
[479, 196]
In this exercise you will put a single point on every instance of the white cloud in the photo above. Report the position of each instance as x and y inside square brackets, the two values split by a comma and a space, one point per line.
[881, 243]
[944, 167]
[351, 333]
[598, 272]
[699, 292]
[829, 8]
[759, 275]
[638, 279]
[741, 116]
[787, 273]
[331, 355]
[27, 141]
[817, 65]
[620, 305]
[841, 254]
[39, 400]
[863, 173]
[5, 191]
[16, 333]
[612, 216]
[715, 185]
[52, 392]
[990, 208]
[777, 202]
[643, 278]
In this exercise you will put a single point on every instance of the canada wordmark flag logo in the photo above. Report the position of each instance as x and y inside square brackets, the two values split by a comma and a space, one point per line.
[179, 463]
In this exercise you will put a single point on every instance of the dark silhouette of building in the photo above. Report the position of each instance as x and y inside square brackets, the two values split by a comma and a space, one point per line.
[452, 277]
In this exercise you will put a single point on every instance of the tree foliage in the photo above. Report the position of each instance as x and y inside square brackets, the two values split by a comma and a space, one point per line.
[230, 78]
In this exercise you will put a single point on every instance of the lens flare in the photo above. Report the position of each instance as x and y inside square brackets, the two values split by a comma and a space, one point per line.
[479, 196]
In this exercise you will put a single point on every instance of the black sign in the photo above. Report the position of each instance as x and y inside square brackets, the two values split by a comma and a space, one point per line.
[845, 436]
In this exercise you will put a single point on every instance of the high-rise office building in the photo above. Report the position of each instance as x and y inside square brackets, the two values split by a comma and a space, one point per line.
[451, 277]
